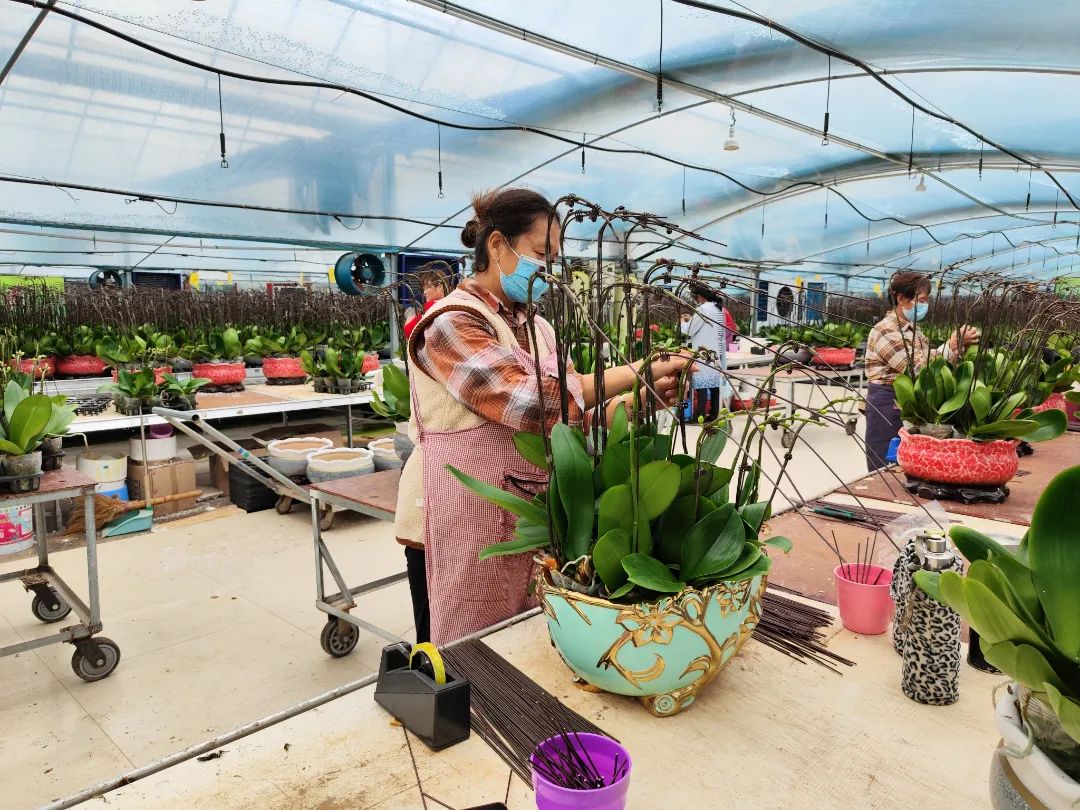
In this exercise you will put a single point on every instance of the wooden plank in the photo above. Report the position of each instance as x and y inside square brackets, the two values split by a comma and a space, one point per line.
[375, 491]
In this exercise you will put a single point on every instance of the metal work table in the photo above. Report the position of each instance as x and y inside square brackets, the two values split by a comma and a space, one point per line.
[374, 495]
[94, 658]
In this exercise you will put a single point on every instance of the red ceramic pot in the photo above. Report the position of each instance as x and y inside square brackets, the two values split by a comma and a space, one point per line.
[81, 365]
[833, 357]
[36, 367]
[958, 461]
[159, 374]
[1053, 401]
[371, 363]
[221, 373]
[1072, 410]
[283, 368]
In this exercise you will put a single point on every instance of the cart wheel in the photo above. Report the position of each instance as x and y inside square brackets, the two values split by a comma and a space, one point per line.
[787, 441]
[326, 519]
[338, 638]
[50, 610]
[284, 505]
[96, 668]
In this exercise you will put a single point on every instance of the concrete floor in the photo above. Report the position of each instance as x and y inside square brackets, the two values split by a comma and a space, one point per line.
[217, 627]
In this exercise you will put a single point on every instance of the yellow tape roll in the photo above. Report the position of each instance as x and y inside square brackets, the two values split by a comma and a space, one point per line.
[432, 654]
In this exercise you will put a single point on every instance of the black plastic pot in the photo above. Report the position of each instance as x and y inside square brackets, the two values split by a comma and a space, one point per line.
[248, 493]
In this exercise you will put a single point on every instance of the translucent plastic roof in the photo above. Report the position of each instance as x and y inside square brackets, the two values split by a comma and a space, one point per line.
[112, 112]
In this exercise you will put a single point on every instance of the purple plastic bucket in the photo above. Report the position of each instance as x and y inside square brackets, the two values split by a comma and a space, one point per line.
[601, 751]
[161, 431]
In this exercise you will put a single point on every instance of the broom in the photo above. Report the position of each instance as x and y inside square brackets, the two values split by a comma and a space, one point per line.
[107, 509]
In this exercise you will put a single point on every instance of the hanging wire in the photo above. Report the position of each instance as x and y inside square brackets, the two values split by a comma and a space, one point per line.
[1057, 194]
[221, 120]
[583, 154]
[828, 95]
[438, 129]
[826, 207]
[660, 70]
[867, 238]
[982, 145]
[1027, 203]
[911, 146]
[762, 221]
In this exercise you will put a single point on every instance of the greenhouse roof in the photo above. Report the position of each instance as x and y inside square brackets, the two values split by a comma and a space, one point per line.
[948, 140]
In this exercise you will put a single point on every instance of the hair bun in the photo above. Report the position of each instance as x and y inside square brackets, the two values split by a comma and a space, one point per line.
[469, 233]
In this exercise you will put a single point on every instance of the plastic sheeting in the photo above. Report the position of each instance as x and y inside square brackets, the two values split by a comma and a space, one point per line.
[83, 107]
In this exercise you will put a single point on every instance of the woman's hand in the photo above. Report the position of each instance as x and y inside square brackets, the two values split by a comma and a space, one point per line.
[672, 366]
[962, 338]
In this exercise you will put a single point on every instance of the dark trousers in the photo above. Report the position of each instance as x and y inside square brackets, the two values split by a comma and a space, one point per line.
[702, 396]
[414, 566]
[882, 424]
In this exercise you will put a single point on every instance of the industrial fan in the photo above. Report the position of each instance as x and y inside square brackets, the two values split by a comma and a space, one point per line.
[355, 271]
[107, 279]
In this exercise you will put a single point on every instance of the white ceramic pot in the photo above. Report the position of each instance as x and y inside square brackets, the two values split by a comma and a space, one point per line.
[1035, 772]
[339, 462]
[104, 466]
[161, 449]
[289, 456]
[385, 456]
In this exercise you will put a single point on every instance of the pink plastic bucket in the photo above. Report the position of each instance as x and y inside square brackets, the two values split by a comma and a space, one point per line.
[601, 751]
[864, 608]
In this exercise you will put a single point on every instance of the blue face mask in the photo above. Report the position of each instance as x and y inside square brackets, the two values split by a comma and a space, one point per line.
[917, 312]
[516, 285]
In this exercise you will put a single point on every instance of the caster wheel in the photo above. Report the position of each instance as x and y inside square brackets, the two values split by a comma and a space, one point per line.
[283, 505]
[91, 665]
[787, 441]
[50, 610]
[326, 519]
[338, 638]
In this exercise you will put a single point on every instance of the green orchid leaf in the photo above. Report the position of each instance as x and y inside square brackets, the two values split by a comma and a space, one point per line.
[930, 583]
[607, 556]
[904, 389]
[712, 442]
[993, 619]
[1052, 422]
[761, 566]
[619, 425]
[9, 449]
[1005, 429]
[782, 543]
[501, 498]
[530, 446]
[695, 479]
[618, 593]
[519, 545]
[615, 464]
[29, 420]
[616, 510]
[979, 400]
[658, 484]
[975, 545]
[748, 556]
[722, 533]
[953, 592]
[676, 521]
[753, 515]
[1055, 563]
[650, 573]
[573, 476]
[1019, 588]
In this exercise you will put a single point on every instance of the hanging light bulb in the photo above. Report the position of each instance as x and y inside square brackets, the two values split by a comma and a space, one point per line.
[922, 183]
[732, 143]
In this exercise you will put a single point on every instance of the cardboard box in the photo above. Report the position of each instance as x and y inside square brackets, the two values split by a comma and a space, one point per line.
[219, 467]
[166, 478]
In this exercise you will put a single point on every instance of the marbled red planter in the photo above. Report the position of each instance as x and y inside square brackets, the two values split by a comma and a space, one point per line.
[81, 365]
[371, 363]
[36, 367]
[957, 461]
[1072, 411]
[282, 368]
[837, 358]
[221, 373]
[1053, 401]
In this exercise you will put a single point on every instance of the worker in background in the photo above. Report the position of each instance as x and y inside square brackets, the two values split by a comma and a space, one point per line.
[474, 385]
[433, 286]
[896, 344]
[707, 329]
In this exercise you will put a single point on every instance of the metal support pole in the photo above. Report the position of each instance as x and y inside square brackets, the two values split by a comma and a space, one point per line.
[91, 560]
[15, 54]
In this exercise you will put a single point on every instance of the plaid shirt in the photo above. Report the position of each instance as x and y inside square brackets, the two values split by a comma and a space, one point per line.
[462, 351]
[887, 349]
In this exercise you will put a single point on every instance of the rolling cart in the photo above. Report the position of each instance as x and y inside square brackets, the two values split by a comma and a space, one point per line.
[374, 495]
[95, 657]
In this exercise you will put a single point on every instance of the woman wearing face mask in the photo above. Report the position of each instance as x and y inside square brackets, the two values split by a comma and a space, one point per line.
[474, 385]
[894, 344]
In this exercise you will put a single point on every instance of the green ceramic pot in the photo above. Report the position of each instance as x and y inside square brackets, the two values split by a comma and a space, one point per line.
[661, 652]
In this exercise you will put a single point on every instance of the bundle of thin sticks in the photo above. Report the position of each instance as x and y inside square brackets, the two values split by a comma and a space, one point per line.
[510, 711]
[859, 515]
[794, 628]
